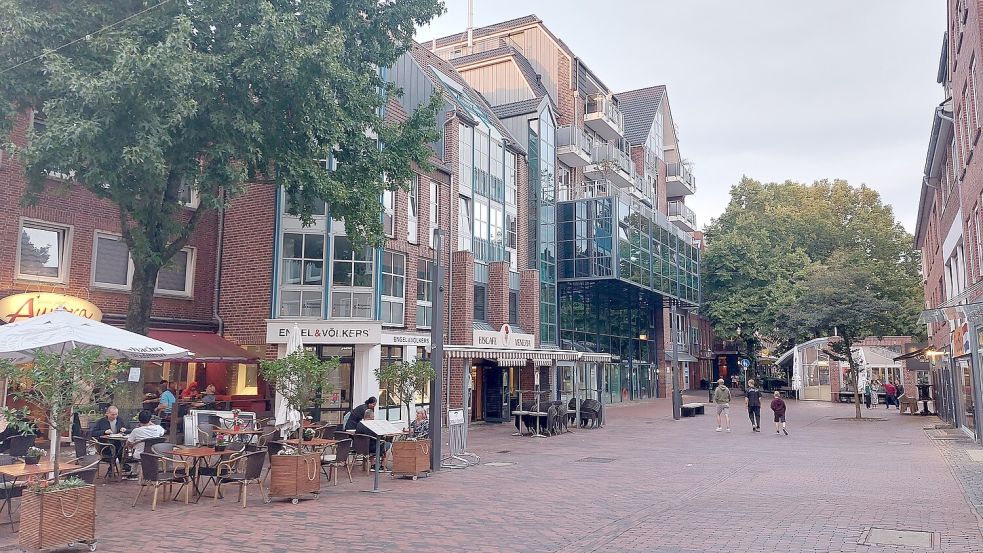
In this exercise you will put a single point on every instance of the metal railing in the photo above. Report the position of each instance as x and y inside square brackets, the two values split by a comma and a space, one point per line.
[684, 174]
[571, 135]
[602, 104]
[608, 153]
[585, 190]
[680, 209]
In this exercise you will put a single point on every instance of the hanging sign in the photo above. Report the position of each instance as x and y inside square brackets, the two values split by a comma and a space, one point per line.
[26, 306]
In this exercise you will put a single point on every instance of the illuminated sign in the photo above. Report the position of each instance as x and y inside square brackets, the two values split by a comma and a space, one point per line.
[25, 306]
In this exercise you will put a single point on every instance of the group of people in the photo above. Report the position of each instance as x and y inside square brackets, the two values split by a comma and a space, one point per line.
[892, 393]
[752, 400]
[112, 424]
[418, 429]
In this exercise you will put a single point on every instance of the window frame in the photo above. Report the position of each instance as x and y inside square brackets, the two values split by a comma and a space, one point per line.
[351, 290]
[384, 298]
[65, 255]
[189, 276]
[389, 213]
[424, 304]
[413, 211]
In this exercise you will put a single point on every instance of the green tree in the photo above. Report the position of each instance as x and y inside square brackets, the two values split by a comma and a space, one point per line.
[299, 377]
[59, 384]
[143, 102]
[403, 379]
[759, 248]
[842, 297]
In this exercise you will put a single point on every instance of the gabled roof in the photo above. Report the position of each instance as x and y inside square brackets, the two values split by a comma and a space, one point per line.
[529, 74]
[515, 109]
[464, 98]
[640, 107]
[488, 30]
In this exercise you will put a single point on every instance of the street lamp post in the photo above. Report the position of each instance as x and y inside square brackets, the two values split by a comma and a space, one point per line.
[437, 351]
[677, 396]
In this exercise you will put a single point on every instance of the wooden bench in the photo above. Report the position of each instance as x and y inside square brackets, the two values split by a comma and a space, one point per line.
[692, 409]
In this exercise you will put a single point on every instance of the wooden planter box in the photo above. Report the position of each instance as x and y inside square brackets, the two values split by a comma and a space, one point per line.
[295, 475]
[411, 458]
[55, 519]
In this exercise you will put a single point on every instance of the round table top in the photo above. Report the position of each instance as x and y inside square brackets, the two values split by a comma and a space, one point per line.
[199, 452]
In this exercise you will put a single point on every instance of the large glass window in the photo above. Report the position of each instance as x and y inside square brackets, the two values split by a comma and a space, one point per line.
[425, 270]
[393, 287]
[465, 155]
[42, 253]
[434, 210]
[351, 280]
[302, 275]
[464, 224]
[389, 213]
[511, 179]
[479, 302]
[389, 403]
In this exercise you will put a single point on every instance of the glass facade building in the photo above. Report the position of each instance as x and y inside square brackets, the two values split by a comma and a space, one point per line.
[542, 220]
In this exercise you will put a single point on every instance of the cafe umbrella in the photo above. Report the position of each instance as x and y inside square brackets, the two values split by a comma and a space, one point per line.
[60, 331]
[287, 419]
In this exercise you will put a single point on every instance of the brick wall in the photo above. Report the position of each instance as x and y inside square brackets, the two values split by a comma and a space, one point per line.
[529, 302]
[498, 294]
[66, 204]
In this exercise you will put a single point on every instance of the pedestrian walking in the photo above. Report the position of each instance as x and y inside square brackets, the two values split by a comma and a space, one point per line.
[752, 399]
[874, 399]
[721, 396]
[889, 394]
[778, 407]
[899, 391]
[867, 391]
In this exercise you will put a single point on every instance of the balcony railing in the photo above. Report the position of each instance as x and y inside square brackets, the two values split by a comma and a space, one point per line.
[585, 189]
[681, 213]
[604, 117]
[680, 180]
[573, 146]
[608, 154]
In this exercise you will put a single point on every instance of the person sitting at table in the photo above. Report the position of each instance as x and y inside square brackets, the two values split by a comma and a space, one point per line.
[420, 427]
[166, 402]
[110, 424]
[190, 391]
[358, 413]
[383, 446]
[207, 400]
[147, 429]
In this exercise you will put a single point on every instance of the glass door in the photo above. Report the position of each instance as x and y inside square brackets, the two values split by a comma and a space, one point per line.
[334, 405]
[965, 392]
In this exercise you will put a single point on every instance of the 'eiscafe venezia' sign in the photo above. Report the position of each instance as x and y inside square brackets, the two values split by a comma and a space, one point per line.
[26, 306]
[504, 338]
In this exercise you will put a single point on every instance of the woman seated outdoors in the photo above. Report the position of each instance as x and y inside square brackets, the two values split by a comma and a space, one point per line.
[420, 427]
[383, 444]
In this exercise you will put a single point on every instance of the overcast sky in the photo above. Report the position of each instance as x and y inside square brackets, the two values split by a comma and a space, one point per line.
[772, 89]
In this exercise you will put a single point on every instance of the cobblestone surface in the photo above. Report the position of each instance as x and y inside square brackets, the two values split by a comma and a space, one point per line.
[673, 486]
[967, 470]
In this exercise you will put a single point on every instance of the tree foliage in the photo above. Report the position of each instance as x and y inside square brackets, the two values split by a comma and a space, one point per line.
[299, 378]
[143, 100]
[405, 378]
[59, 385]
[765, 248]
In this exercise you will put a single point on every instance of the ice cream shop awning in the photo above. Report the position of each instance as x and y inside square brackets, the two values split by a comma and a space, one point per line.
[204, 346]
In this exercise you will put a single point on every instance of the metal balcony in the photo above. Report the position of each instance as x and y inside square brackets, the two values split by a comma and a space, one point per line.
[604, 117]
[585, 190]
[682, 216]
[679, 181]
[573, 146]
[608, 162]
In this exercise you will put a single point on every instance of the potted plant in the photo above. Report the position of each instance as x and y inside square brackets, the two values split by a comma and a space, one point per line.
[298, 378]
[56, 514]
[221, 442]
[33, 455]
[403, 380]
[57, 384]
[308, 434]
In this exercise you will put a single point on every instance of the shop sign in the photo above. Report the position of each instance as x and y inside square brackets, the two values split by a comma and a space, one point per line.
[325, 332]
[960, 339]
[25, 306]
[504, 338]
[406, 339]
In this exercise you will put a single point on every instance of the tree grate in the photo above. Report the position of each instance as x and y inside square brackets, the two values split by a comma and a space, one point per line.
[908, 538]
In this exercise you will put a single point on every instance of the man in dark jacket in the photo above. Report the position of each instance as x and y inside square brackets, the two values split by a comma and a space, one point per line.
[752, 399]
[110, 424]
[778, 407]
[358, 413]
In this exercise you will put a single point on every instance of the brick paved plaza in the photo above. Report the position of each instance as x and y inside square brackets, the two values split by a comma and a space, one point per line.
[670, 487]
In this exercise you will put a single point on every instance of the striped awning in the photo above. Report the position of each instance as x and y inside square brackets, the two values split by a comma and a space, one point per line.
[518, 357]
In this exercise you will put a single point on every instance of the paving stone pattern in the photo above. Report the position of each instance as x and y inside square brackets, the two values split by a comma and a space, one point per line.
[673, 486]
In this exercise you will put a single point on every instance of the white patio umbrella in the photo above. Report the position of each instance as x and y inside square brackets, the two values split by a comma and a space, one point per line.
[288, 419]
[61, 331]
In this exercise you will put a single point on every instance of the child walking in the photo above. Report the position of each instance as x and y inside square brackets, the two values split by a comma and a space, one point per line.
[778, 407]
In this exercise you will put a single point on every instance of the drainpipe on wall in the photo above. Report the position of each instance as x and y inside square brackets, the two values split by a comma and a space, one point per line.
[218, 267]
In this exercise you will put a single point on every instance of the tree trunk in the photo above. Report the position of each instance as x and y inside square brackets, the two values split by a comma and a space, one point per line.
[854, 375]
[141, 297]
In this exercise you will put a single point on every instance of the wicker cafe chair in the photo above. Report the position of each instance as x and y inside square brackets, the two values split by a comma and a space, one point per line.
[9, 490]
[90, 467]
[243, 470]
[340, 458]
[206, 433]
[151, 474]
[362, 445]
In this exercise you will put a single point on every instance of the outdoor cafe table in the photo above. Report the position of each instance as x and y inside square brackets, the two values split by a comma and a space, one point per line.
[198, 455]
[117, 447]
[9, 474]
